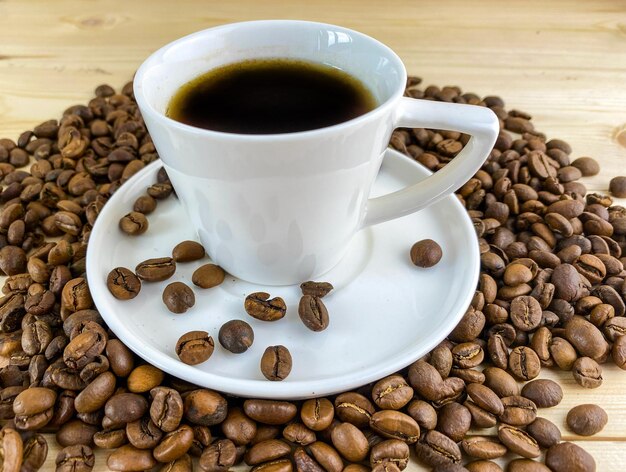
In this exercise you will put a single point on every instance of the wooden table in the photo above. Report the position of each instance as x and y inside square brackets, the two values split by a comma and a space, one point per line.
[564, 62]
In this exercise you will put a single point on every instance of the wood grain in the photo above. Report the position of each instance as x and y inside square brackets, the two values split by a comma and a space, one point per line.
[563, 61]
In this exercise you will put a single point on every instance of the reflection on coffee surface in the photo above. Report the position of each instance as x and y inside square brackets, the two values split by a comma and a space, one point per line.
[270, 96]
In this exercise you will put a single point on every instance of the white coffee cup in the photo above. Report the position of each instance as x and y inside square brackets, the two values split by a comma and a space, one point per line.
[279, 209]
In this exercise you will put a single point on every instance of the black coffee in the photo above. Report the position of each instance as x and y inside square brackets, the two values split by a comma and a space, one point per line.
[267, 96]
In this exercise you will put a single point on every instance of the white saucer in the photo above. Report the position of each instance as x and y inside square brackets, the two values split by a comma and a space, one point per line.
[384, 312]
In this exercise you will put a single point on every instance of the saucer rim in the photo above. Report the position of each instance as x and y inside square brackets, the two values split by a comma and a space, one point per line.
[255, 388]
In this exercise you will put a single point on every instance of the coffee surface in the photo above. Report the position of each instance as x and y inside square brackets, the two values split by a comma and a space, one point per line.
[270, 96]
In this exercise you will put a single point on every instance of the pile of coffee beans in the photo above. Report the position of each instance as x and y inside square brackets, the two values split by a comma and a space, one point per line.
[551, 294]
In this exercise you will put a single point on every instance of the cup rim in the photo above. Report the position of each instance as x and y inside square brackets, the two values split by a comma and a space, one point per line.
[156, 57]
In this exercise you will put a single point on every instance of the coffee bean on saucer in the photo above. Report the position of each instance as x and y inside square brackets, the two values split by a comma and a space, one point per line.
[236, 336]
[426, 253]
[134, 223]
[276, 363]
[156, 270]
[145, 204]
[259, 305]
[208, 275]
[178, 297]
[313, 313]
[160, 191]
[316, 289]
[587, 420]
[188, 251]
[617, 187]
[123, 284]
[194, 347]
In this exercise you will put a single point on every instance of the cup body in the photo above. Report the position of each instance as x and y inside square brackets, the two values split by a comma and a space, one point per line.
[280, 208]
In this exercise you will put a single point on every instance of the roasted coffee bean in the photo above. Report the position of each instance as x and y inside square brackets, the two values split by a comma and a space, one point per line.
[327, 456]
[33, 408]
[568, 457]
[123, 284]
[563, 353]
[260, 306]
[392, 393]
[483, 447]
[166, 409]
[182, 464]
[178, 297]
[518, 411]
[586, 338]
[238, 427]
[587, 419]
[483, 466]
[219, 456]
[467, 355]
[454, 420]
[266, 451]
[76, 432]
[87, 342]
[352, 407]
[617, 186]
[350, 442]
[518, 441]
[317, 414]
[76, 458]
[305, 463]
[395, 425]
[426, 253]
[526, 465]
[110, 439]
[145, 205]
[390, 451]
[587, 372]
[206, 407]
[618, 352]
[485, 398]
[124, 408]
[120, 358]
[427, 382]
[156, 270]
[194, 347]
[129, 458]
[524, 363]
[544, 432]
[313, 313]
[423, 413]
[174, 444]
[76, 296]
[236, 336]
[436, 449]
[188, 251]
[470, 326]
[134, 223]
[316, 289]
[11, 450]
[276, 363]
[143, 433]
[299, 434]
[544, 393]
[270, 411]
[35, 451]
[525, 313]
[208, 275]
[96, 394]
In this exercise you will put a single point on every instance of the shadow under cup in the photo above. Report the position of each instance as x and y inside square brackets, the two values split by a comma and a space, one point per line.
[273, 209]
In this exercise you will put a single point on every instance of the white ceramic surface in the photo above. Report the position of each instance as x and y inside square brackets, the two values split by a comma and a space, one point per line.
[280, 208]
[384, 311]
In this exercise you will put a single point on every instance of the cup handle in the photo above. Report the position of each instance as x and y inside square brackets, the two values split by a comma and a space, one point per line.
[479, 122]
